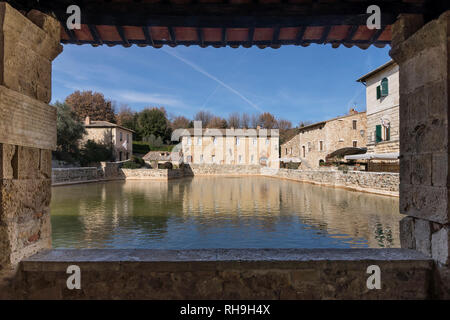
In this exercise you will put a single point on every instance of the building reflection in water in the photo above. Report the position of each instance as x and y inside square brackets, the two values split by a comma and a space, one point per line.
[221, 212]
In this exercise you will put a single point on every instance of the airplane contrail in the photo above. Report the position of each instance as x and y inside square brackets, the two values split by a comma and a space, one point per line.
[205, 73]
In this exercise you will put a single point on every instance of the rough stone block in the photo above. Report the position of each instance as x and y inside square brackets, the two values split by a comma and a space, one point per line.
[406, 25]
[45, 164]
[440, 172]
[25, 65]
[421, 169]
[440, 245]
[405, 169]
[29, 159]
[422, 232]
[407, 237]
[8, 161]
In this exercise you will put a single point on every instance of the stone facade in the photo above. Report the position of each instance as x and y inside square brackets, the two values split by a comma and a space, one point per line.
[384, 183]
[383, 111]
[108, 133]
[28, 45]
[318, 140]
[291, 148]
[421, 51]
[230, 146]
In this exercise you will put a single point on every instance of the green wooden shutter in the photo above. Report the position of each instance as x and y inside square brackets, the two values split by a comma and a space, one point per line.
[378, 92]
[384, 87]
[378, 133]
[388, 134]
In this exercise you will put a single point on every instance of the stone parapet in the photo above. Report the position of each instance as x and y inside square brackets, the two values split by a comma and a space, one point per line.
[227, 274]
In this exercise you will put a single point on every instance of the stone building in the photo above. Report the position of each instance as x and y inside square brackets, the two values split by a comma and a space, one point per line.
[290, 150]
[382, 99]
[230, 146]
[383, 118]
[314, 142]
[105, 132]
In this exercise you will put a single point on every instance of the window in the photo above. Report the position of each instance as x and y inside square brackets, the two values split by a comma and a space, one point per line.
[267, 141]
[304, 151]
[291, 150]
[189, 158]
[355, 144]
[378, 133]
[254, 141]
[387, 133]
[384, 87]
[240, 159]
[214, 140]
[237, 141]
[201, 158]
[354, 124]
[128, 137]
[253, 158]
[321, 145]
[189, 142]
[230, 152]
[199, 141]
[286, 151]
[128, 155]
[120, 134]
[213, 158]
[120, 156]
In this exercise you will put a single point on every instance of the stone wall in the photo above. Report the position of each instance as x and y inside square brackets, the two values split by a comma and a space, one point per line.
[227, 274]
[224, 169]
[383, 183]
[76, 175]
[152, 174]
[422, 53]
[28, 45]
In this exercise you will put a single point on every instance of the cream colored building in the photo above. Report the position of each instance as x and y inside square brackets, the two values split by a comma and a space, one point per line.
[320, 139]
[108, 133]
[383, 118]
[231, 146]
[382, 99]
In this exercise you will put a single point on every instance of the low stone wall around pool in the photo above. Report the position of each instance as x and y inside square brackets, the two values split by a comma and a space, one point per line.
[225, 274]
[384, 183]
[152, 174]
[223, 169]
[62, 176]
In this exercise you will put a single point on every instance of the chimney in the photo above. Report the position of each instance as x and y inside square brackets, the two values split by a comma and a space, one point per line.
[352, 111]
[87, 121]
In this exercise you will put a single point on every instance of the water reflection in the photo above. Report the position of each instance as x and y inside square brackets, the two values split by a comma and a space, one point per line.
[221, 212]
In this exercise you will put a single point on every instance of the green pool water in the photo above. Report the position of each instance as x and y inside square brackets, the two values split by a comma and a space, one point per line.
[220, 212]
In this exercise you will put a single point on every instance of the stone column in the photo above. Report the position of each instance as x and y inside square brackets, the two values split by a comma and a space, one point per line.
[28, 45]
[422, 52]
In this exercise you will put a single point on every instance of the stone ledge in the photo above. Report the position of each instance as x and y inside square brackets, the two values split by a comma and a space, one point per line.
[221, 255]
[226, 274]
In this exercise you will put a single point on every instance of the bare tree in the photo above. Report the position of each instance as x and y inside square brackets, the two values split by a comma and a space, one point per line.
[234, 120]
[254, 121]
[180, 122]
[267, 120]
[245, 120]
[204, 116]
[218, 122]
[283, 124]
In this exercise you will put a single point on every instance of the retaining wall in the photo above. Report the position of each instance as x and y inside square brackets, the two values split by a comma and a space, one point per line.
[385, 183]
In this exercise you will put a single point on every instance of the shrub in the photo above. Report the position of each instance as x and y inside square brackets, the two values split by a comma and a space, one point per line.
[134, 163]
[94, 152]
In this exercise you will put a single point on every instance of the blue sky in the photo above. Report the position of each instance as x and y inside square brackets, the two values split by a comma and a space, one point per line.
[295, 83]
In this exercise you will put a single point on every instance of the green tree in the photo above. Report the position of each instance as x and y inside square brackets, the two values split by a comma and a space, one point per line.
[154, 122]
[94, 152]
[70, 131]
